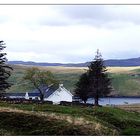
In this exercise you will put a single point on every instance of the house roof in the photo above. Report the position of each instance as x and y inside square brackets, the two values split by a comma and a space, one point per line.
[50, 91]
[47, 89]
[34, 94]
[15, 94]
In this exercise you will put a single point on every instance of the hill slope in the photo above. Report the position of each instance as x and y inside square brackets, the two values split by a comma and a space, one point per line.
[66, 120]
[125, 80]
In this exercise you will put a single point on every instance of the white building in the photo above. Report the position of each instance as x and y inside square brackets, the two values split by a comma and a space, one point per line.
[15, 95]
[32, 96]
[54, 94]
[58, 94]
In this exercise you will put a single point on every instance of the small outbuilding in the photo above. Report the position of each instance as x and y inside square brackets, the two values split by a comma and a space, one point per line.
[15, 95]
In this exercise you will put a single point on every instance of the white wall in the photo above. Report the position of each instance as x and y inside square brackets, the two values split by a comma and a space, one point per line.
[26, 95]
[13, 97]
[32, 97]
[60, 95]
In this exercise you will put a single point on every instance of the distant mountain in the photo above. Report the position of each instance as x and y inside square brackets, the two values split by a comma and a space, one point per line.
[110, 62]
[46, 64]
[123, 62]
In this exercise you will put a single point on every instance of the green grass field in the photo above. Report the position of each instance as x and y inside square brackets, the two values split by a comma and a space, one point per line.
[45, 119]
[124, 84]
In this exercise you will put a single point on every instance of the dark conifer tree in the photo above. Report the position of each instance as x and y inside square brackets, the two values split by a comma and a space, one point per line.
[82, 87]
[95, 82]
[99, 82]
[5, 70]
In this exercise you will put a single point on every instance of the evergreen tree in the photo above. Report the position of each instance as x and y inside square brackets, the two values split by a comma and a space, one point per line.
[95, 82]
[5, 70]
[82, 87]
[99, 83]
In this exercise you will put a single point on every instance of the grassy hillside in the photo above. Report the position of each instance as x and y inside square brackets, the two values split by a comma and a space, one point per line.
[123, 81]
[63, 120]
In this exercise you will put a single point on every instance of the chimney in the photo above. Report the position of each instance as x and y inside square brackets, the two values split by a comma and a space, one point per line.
[60, 85]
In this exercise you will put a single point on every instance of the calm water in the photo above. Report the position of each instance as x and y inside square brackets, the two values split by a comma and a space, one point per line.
[116, 101]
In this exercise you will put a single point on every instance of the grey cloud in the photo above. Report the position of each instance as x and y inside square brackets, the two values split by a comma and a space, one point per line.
[98, 15]
[84, 12]
[122, 54]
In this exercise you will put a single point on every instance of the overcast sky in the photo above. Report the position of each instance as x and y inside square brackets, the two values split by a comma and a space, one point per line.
[70, 33]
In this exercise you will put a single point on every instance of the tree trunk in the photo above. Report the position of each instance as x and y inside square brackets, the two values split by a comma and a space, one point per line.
[85, 102]
[41, 93]
[96, 99]
[41, 97]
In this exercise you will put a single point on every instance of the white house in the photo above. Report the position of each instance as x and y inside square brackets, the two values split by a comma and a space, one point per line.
[54, 94]
[58, 94]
